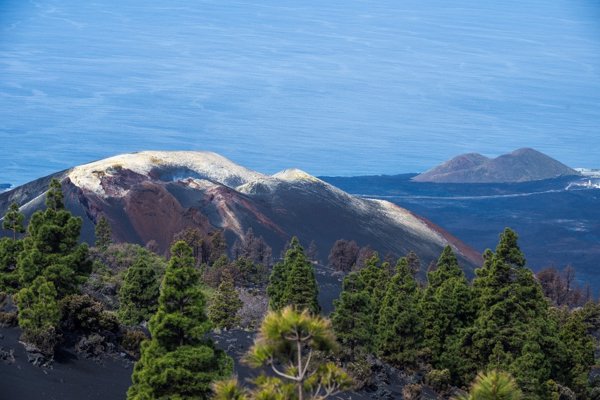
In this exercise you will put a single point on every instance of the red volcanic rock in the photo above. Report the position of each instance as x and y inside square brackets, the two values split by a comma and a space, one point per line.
[151, 196]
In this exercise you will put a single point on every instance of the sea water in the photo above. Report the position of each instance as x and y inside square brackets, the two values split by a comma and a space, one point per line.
[333, 87]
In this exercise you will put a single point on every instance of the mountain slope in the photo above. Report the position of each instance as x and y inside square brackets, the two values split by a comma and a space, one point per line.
[521, 165]
[150, 196]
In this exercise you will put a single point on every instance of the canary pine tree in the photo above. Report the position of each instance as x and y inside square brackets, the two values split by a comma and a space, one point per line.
[293, 281]
[512, 330]
[39, 314]
[13, 221]
[51, 247]
[223, 312]
[400, 324]
[353, 319]
[446, 307]
[138, 296]
[180, 361]
[10, 248]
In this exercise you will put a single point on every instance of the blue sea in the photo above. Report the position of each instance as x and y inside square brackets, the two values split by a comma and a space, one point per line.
[333, 87]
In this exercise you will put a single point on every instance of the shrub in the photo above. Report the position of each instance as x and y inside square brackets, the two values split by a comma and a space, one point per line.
[81, 313]
[131, 341]
[438, 379]
[8, 319]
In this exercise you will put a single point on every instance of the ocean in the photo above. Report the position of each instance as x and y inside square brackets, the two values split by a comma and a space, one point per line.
[332, 87]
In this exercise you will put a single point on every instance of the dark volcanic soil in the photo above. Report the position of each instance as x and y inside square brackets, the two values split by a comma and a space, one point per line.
[70, 378]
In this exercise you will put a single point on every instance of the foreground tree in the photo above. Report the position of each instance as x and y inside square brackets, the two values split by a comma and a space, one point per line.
[399, 332]
[291, 343]
[51, 248]
[446, 308]
[13, 221]
[39, 315]
[10, 248]
[493, 385]
[293, 281]
[353, 319]
[512, 330]
[223, 311]
[9, 253]
[138, 296]
[375, 276]
[180, 361]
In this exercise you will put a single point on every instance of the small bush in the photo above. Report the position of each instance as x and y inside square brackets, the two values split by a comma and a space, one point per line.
[92, 345]
[412, 391]
[44, 340]
[131, 341]
[360, 368]
[81, 313]
[438, 379]
[8, 319]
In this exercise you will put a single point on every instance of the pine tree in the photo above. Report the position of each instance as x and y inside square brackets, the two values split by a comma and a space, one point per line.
[103, 234]
[226, 304]
[39, 314]
[138, 296]
[446, 308]
[493, 385]
[251, 273]
[10, 248]
[13, 220]
[375, 277]
[512, 330]
[9, 253]
[399, 332]
[353, 319]
[293, 282]
[578, 351]
[51, 248]
[290, 342]
[180, 361]
[301, 289]
[54, 197]
[276, 288]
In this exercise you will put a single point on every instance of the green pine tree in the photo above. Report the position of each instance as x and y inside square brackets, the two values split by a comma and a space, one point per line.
[353, 319]
[301, 288]
[225, 304]
[103, 234]
[399, 333]
[493, 385]
[9, 253]
[446, 307]
[375, 276]
[39, 315]
[10, 248]
[51, 247]
[55, 199]
[512, 330]
[577, 351]
[138, 296]
[276, 287]
[180, 361]
[13, 220]
[293, 282]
